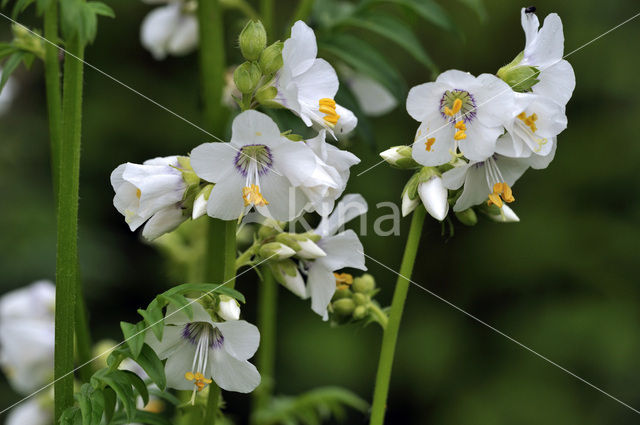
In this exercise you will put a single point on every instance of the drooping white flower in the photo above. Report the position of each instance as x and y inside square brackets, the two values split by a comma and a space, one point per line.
[490, 180]
[152, 191]
[199, 350]
[307, 85]
[7, 94]
[434, 195]
[459, 111]
[408, 204]
[171, 29]
[228, 309]
[27, 336]
[259, 168]
[533, 131]
[342, 250]
[330, 176]
[35, 411]
[544, 49]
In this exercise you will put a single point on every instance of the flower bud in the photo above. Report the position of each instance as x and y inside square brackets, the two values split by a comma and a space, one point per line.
[309, 250]
[360, 299]
[408, 204]
[434, 197]
[364, 284]
[247, 77]
[289, 276]
[200, 203]
[504, 215]
[341, 293]
[467, 217]
[253, 40]
[289, 240]
[344, 306]
[400, 157]
[521, 78]
[271, 58]
[276, 251]
[360, 312]
[265, 96]
[228, 308]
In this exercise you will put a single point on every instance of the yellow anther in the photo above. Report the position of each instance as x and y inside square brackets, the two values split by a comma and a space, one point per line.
[332, 119]
[189, 376]
[327, 110]
[460, 125]
[460, 135]
[199, 376]
[327, 102]
[252, 195]
[429, 143]
[529, 121]
[343, 280]
[138, 193]
[457, 105]
[501, 192]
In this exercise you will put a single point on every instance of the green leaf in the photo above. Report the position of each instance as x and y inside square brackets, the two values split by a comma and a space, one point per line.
[84, 402]
[10, 65]
[364, 58]
[102, 9]
[427, 9]
[109, 403]
[119, 382]
[149, 361]
[165, 395]
[97, 407]
[19, 7]
[478, 7]
[138, 384]
[393, 29]
[134, 335]
[71, 416]
[6, 49]
[206, 288]
[178, 301]
[140, 416]
[154, 318]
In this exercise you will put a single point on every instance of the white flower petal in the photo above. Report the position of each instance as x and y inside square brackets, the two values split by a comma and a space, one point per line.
[475, 189]
[232, 374]
[343, 250]
[171, 342]
[253, 127]
[295, 161]
[434, 197]
[557, 82]
[454, 178]
[374, 99]
[423, 100]
[179, 363]
[480, 143]
[214, 162]
[164, 221]
[346, 123]
[530, 25]
[456, 79]
[157, 28]
[408, 204]
[241, 339]
[285, 201]
[433, 143]
[548, 46]
[225, 200]
[318, 82]
[321, 287]
[30, 412]
[300, 50]
[185, 36]
[350, 207]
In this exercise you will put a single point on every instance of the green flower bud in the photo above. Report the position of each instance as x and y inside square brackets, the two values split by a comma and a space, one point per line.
[289, 240]
[344, 307]
[341, 293]
[400, 157]
[361, 299]
[275, 251]
[271, 58]
[247, 77]
[268, 230]
[364, 284]
[520, 78]
[253, 40]
[467, 217]
[360, 312]
[265, 96]
[189, 176]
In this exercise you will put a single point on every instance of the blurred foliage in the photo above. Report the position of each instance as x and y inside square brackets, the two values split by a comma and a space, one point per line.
[563, 281]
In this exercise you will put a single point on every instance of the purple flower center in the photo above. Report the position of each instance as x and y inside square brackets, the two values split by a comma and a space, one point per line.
[252, 158]
[467, 111]
[195, 331]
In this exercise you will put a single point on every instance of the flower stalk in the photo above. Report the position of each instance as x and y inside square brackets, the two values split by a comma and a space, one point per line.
[387, 351]
[67, 226]
[52, 82]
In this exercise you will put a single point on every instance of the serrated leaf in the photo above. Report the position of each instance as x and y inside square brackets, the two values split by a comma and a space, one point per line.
[138, 384]
[134, 335]
[364, 58]
[101, 9]
[151, 363]
[393, 29]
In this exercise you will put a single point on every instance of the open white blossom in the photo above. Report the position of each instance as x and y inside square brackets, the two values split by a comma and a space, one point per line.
[544, 49]
[307, 85]
[152, 191]
[259, 168]
[27, 336]
[459, 111]
[171, 29]
[330, 176]
[199, 351]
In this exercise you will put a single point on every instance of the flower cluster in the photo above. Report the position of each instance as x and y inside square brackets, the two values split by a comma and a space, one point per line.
[478, 135]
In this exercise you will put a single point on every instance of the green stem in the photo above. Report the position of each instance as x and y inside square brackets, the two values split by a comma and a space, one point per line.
[67, 227]
[266, 13]
[380, 315]
[267, 319]
[83, 334]
[390, 337]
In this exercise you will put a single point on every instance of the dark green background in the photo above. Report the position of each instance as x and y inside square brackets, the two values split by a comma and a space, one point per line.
[563, 281]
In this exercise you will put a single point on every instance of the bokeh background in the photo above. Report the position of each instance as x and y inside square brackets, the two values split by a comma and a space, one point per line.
[563, 281]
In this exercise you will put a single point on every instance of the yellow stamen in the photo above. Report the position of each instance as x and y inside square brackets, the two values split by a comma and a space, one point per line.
[343, 280]
[252, 196]
[200, 380]
[328, 107]
[460, 125]
[501, 192]
[529, 121]
[460, 135]
[332, 119]
[429, 143]
[327, 102]
[189, 376]
[327, 110]
[138, 193]
[457, 105]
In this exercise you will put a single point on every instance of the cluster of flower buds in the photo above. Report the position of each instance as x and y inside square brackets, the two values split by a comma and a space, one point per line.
[353, 300]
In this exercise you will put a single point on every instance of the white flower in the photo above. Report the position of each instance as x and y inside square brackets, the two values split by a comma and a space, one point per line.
[534, 129]
[434, 197]
[27, 336]
[544, 50]
[228, 308]
[199, 350]
[288, 274]
[459, 111]
[307, 85]
[330, 176]
[343, 250]
[408, 204]
[8, 93]
[258, 168]
[170, 30]
[506, 215]
[374, 99]
[489, 180]
[35, 411]
[309, 250]
[152, 191]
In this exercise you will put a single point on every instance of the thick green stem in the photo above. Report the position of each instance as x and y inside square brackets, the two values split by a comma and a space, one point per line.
[83, 334]
[267, 319]
[390, 337]
[67, 227]
[266, 14]
[52, 82]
